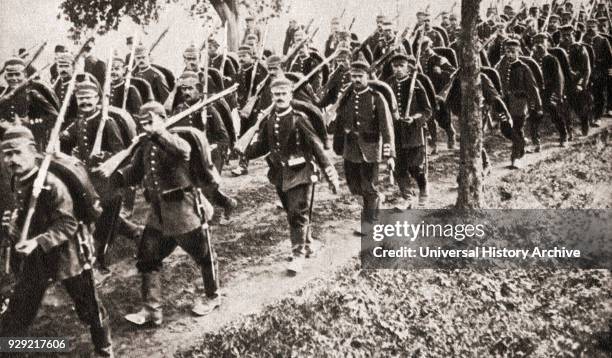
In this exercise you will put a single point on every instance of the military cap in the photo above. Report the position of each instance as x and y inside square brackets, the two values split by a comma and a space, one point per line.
[191, 51]
[252, 37]
[344, 50]
[387, 23]
[14, 63]
[532, 8]
[565, 14]
[213, 42]
[274, 61]
[64, 58]
[335, 21]
[281, 81]
[189, 78]
[422, 14]
[299, 32]
[118, 58]
[380, 17]
[249, 18]
[602, 20]
[129, 40]
[566, 28]
[553, 17]
[87, 85]
[150, 107]
[542, 35]
[15, 137]
[360, 66]
[452, 17]
[141, 50]
[512, 43]
[245, 49]
[59, 48]
[508, 7]
[402, 55]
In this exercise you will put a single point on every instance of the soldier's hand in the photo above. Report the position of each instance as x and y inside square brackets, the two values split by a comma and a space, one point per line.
[391, 164]
[26, 247]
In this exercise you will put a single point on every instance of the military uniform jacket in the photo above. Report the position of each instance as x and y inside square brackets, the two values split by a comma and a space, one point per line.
[428, 62]
[161, 165]
[292, 145]
[81, 135]
[243, 78]
[134, 100]
[603, 55]
[304, 65]
[519, 87]
[554, 82]
[373, 40]
[363, 126]
[228, 67]
[53, 225]
[413, 134]
[339, 81]
[158, 82]
[579, 63]
[215, 130]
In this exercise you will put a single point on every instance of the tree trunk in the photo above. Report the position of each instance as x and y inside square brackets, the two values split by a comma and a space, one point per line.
[228, 12]
[470, 168]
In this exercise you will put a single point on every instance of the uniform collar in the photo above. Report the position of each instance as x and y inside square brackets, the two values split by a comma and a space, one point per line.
[285, 112]
[360, 92]
[403, 79]
[93, 115]
[28, 175]
[118, 84]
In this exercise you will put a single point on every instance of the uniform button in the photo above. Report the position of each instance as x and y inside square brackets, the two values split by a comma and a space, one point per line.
[357, 123]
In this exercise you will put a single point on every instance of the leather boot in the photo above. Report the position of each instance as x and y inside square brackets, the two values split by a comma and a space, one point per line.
[101, 338]
[151, 297]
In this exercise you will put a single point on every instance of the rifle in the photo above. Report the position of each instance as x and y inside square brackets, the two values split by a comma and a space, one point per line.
[111, 164]
[243, 142]
[97, 145]
[307, 28]
[34, 57]
[224, 58]
[7, 96]
[257, 60]
[204, 114]
[398, 43]
[342, 13]
[52, 146]
[446, 90]
[414, 76]
[246, 111]
[547, 20]
[159, 38]
[128, 76]
[351, 25]
[295, 50]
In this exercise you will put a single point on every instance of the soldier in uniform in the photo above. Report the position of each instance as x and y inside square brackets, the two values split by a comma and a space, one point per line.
[554, 22]
[52, 251]
[144, 70]
[579, 97]
[410, 128]
[373, 40]
[364, 137]
[94, 65]
[162, 165]
[434, 36]
[57, 51]
[304, 62]
[78, 139]
[216, 60]
[117, 91]
[293, 148]
[386, 42]
[520, 94]
[65, 70]
[33, 105]
[332, 41]
[251, 28]
[602, 63]
[289, 35]
[453, 27]
[439, 71]
[339, 79]
[554, 85]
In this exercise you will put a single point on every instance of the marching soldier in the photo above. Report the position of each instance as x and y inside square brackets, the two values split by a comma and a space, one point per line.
[554, 86]
[439, 71]
[304, 62]
[78, 139]
[251, 29]
[117, 91]
[578, 96]
[152, 75]
[216, 60]
[364, 138]
[94, 65]
[332, 41]
[65, 70]
[339, 79]
[373, 40]
[179, 214]
[521, 95]
[53, 248]
[434, 36]
[33, 105]
[53, 73]
[410, 128]
[386, 42]
[602, 64]
[293, 148]
[289, 35]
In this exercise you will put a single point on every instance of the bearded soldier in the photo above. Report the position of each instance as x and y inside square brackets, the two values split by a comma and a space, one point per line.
[179, 214]
[579, 97]
[78, 139]
[410, 128]
[53, 249]
[152, 75]
[364, 137]
[293, 148]
[554, 85]
[520, 94]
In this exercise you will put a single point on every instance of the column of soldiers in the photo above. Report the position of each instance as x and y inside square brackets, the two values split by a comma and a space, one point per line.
[375, 102]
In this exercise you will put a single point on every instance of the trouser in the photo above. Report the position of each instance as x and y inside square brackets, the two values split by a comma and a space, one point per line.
[129, 199]
[297, 204]
[219, 157]
[362, 180]
[534, 121]
[154, 248]
[109, 224]
[411, 162]
[581, 103]
[441, 117]
[29, 292]
[518, 138]
[560, 118]
[598, 89]
[217, 197]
